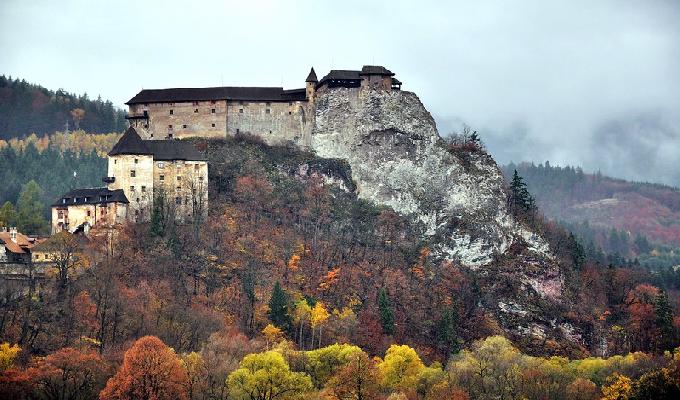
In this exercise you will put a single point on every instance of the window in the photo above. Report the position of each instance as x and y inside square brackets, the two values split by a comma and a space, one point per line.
[161, 177]
[195, 103]
[178, 200]
[170, 127]
[238, 131]
[88, 213]
[195, 110]
[212, 111]
[143, 189]
[137, 199]
[169, 135]
[133, 173]
[152, 135]
[268, 111]
[115, 161]
[184, 126]
[146, 126]
[196, 167]
[179, 178]
[213, 125]
[240, 110]
[161, 164]
[179, 187]
[171, 112]
[200, 178]
[290, 103]
[60, 214]
[132, 188]
[63, 201]
[136, 161]
[290, 113]
[269, 104]
[171, 104]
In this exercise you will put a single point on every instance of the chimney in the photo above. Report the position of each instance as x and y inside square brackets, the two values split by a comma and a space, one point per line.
[13, 234]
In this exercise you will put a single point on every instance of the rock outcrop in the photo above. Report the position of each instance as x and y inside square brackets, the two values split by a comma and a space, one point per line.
[398, 159]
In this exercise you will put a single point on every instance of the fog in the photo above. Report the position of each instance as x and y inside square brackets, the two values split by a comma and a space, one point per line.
[595, 84]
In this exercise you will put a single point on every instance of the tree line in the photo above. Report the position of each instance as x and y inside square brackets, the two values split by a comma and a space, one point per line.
[27, 108]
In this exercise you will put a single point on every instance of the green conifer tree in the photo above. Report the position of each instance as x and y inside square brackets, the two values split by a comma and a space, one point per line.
[386, 313]
[30, 209]
[278, 308]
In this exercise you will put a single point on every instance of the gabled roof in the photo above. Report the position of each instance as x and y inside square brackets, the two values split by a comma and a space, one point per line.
[130, 143]
[91, 196]
[375, 70]
[312, 76]
[341, 74]
[168, 150]
[161, 150]
[211, 93]
[22, 245]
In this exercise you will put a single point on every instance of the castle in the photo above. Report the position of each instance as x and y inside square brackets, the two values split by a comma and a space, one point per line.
[149, 162]
[275, 114]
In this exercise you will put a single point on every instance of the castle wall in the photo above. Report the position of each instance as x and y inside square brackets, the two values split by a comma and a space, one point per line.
[69, 217]
[274, 122]
[184, 184]
[138, 188]
[181, 120]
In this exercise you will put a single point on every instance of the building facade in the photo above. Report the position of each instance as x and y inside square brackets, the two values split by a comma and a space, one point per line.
[139, 173]
[275, 114]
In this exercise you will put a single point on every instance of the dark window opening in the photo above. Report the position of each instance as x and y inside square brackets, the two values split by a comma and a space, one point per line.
[212, 111]
[213, 125]
[240, 110]
[171, 112]
[184, 126]
[133, 173]
[195, 110]
[161, 177]
[268, 111]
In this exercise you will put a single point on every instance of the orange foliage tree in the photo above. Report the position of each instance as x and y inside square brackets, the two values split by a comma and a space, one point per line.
[150, 370]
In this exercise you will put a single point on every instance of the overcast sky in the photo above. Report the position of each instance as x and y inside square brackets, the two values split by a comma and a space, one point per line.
[591, 83]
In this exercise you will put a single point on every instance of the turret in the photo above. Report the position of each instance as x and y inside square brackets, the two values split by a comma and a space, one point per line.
[310, 84]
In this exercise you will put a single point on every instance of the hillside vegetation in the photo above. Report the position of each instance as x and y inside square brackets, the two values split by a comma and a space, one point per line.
[627, 219]
[27, 108]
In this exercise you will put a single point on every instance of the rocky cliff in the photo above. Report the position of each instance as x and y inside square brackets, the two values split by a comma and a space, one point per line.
[398, 159]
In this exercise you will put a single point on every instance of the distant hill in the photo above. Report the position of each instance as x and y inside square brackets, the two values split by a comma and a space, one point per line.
[27, 108]
[629, 218]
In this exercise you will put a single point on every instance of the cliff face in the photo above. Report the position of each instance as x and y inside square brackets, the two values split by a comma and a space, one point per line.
[398, 159]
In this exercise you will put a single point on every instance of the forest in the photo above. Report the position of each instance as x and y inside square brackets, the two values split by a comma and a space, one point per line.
[27, 108]
[293, 288]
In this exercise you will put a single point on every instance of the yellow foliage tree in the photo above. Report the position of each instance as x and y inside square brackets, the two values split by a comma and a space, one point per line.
[318, 318]
[8, 353]
[618, 387]
[401, 367]
[272, 334]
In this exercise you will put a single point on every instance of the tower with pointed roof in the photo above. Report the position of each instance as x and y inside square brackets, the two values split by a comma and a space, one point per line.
[310, 85]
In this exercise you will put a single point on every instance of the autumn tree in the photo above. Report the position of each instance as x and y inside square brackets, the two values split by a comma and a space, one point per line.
[150, 370]
[267, 376]
[358, 379]
[78, 114]
[401, 367]
[69, 374]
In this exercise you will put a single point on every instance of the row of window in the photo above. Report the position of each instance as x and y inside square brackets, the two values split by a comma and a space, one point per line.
[212, 111]
[184, 126]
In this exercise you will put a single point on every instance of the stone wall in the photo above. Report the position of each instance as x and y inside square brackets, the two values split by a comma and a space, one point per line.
[184, 184]
[138, 188]
[73, 216]
[181, 120]
[275, 122]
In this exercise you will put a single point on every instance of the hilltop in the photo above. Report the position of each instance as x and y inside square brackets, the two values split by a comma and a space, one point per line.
[27, 108]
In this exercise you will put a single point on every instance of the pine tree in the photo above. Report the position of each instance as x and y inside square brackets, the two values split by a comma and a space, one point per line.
[664, 320]
[30, 209]
[278, 308]
[8, 215]
[447, 332]
[386, 313]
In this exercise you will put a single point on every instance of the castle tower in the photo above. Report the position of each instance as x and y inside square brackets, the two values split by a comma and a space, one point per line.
[310, 84]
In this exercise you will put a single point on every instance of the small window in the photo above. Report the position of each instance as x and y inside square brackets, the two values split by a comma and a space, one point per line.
[268, 111]
[179, 187]
[146, 126]
[196, 167]
[133, 173]
[178, 200]
[88, 213]
[290, 113]
[200, 178]
[132, 188]
[161, 164]
[143, 189]
[136, 161]
[171, 112]
[137, 199]
[238, 131]
[169, 135]
[270, 132]
[212, 111]
[170, 127]
[115, 161]
[161, 177]
[184, 126]
[195, 110]
[152, 135]
[179, 178]
[63, 201]
[240, 110]
[213, 125]
[269, 104]
[171, 104]
[195, 103]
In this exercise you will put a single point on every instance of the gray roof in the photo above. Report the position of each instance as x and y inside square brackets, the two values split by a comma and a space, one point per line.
[213, 94]
[91, 196]
[375, 70]
[312, 76]
[162, 150]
